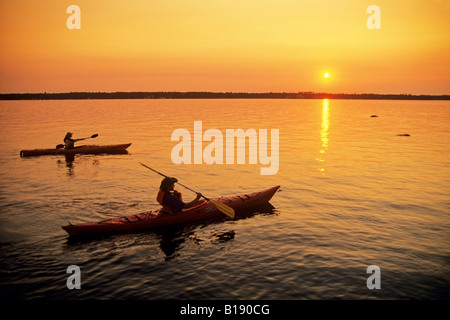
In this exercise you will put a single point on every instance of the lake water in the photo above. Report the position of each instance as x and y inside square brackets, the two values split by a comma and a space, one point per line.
[353, 194]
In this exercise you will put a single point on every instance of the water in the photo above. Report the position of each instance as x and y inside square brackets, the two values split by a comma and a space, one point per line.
[354, 194]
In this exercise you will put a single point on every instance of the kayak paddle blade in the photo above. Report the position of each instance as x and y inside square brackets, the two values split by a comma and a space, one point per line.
[223, 208]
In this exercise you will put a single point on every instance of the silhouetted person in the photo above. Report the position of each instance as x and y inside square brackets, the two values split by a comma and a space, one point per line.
[171, 199]
[69, 142]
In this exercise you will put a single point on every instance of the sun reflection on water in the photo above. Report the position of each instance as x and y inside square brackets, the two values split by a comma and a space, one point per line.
[324, 133]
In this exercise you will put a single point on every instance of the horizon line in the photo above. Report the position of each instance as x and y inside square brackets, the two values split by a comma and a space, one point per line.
[238, 92]
[80, 95]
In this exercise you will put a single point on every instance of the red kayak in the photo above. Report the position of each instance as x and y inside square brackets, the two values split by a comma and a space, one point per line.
[86, 149]
[155, 219]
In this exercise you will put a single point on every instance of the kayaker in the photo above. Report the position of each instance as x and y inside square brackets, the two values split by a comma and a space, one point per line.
[69, 142]
[172, 200]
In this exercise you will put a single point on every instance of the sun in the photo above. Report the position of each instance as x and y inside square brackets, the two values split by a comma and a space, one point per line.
[326, 75]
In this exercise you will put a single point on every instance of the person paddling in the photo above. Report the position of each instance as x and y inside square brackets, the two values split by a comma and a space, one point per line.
[171, 199]
[69, 142]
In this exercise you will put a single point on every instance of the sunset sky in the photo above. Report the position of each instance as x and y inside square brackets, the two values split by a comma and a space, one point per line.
[226, 45]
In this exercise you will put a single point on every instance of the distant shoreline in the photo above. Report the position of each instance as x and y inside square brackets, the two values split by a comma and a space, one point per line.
[213, 95]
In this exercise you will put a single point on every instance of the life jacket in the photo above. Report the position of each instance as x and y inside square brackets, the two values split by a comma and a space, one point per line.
[68, 143]
[162, 194]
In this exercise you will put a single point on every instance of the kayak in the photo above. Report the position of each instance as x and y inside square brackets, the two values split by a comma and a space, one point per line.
[85, 149]
[157, 218]
[204, 210]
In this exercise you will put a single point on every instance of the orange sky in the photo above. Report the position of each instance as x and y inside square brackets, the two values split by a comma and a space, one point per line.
[232, 45]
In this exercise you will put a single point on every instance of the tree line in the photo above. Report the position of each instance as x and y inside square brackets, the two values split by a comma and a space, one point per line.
[214, 95]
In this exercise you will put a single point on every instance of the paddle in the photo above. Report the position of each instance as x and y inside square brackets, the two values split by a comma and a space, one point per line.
[60, 146]
[220, 206]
